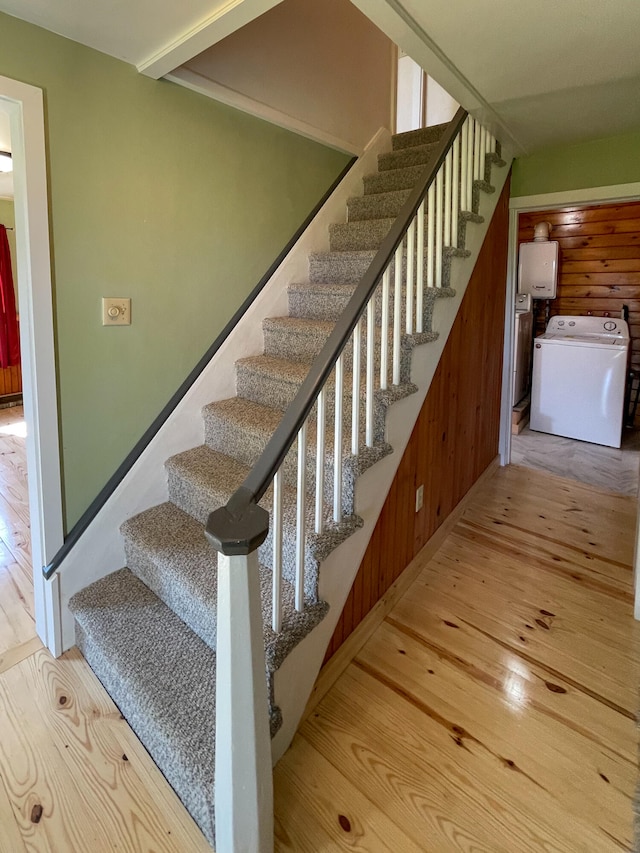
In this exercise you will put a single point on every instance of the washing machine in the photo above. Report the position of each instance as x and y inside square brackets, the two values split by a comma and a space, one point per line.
[578, 380]
[522, 340]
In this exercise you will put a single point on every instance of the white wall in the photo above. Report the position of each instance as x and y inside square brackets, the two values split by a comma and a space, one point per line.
[441, 107]
[322, 63]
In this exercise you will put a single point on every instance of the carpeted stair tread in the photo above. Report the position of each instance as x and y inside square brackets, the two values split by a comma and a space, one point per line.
[376, 206]
[269, 380]
[357, 236]
[172, 556]
[297, 338]
[319, 300]
[161, 676]
[394, 179]
[422, 136]
[417, 155]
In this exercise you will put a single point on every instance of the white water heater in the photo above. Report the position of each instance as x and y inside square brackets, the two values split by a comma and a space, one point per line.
[538, 264]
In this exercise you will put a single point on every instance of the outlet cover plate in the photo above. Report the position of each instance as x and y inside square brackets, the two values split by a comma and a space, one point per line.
[419, 498]
[116, 311]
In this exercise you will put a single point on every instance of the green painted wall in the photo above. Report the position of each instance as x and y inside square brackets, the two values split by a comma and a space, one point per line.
[158, 194]
[7, 218]
[598, 163]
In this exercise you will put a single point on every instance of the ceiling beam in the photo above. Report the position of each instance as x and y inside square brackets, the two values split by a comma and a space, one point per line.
[227, 17]
[411, 35]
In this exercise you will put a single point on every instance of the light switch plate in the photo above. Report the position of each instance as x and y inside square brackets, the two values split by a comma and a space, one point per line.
[116, 311]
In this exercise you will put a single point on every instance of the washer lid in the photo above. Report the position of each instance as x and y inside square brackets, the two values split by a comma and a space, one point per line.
[584, 340]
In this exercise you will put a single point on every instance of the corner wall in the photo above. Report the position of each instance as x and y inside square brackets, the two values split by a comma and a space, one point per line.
[455, 437]
[158, 194]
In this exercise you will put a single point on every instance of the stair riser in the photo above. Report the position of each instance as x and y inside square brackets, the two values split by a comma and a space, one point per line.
[358, 236]
[401, 159]
[422, 136]
[400, 179]
[378, 206]
[314, 306]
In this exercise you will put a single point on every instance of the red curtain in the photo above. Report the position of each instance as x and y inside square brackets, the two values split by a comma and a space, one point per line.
[9, 336]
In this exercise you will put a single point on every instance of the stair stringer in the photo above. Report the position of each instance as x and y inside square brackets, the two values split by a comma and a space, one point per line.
[294, 680]
[100, 549]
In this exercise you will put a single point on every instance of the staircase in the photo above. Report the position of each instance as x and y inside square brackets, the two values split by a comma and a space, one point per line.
[149, 630]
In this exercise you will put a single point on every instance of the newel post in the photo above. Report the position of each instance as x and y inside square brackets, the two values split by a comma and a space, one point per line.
[243, 769]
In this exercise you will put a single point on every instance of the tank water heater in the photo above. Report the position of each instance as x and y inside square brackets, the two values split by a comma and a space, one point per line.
[538, 264]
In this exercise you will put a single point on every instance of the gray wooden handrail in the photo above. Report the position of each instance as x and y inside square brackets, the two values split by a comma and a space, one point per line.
[236, 528]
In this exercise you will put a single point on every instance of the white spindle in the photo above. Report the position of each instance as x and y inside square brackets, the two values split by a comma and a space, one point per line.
[420, 270]
[439, 212]
[464, 204]
[397, 309]
[411, 247]
[483, 151]
[300, 516]
[470, 127]
[384, 332]
[319, 519]
[337, 443]
[455, 184]
[276, 620]
[476, 150]
[431, 232]
[355, 401]
[371, 326]
[447, 199]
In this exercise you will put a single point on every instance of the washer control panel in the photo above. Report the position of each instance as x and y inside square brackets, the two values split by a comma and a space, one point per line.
[588, 326]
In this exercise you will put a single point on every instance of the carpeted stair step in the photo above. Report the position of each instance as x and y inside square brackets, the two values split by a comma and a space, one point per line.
[418, 155]
[168, 550]
[378, 206]
[242, 429]
[201, 480]
[413, 138]
[321, 301]
[162, 677]
[356, 236]
[394, 179]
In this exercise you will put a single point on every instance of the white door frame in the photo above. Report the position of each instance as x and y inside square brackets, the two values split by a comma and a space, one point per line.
[24, 106]
[525, 204]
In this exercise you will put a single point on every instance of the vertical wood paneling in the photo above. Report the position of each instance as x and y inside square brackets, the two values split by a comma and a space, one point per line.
[454, 438]
[10, 380]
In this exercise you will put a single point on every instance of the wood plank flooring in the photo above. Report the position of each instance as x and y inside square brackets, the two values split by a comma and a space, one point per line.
[494, 708]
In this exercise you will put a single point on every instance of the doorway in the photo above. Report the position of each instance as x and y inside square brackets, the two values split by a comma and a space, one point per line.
[22, 105]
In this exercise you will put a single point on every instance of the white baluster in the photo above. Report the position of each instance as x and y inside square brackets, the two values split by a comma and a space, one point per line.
[447, 199]
[411, 247]
[371, 328]
[319, 525]
[420, 271]
[455, 188]
[470, 128]
[464, 204]
[337, 445]
[439, 212]
[300, 516]
[431, 233]
[384, 331]
[355, 401]
[476, 150]
[276, 620]
[483, 151]
[397, 309]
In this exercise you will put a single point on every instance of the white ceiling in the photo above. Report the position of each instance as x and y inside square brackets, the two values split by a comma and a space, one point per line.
[545, 72]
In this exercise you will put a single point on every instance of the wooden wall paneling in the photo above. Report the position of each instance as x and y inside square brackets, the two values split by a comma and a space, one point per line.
[455, 437]
[599, 262]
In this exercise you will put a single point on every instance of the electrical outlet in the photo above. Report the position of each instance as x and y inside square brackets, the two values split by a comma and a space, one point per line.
[116, 311]
[419, 498]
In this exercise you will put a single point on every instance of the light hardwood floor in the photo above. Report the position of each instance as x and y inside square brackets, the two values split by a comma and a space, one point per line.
[493, 710]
